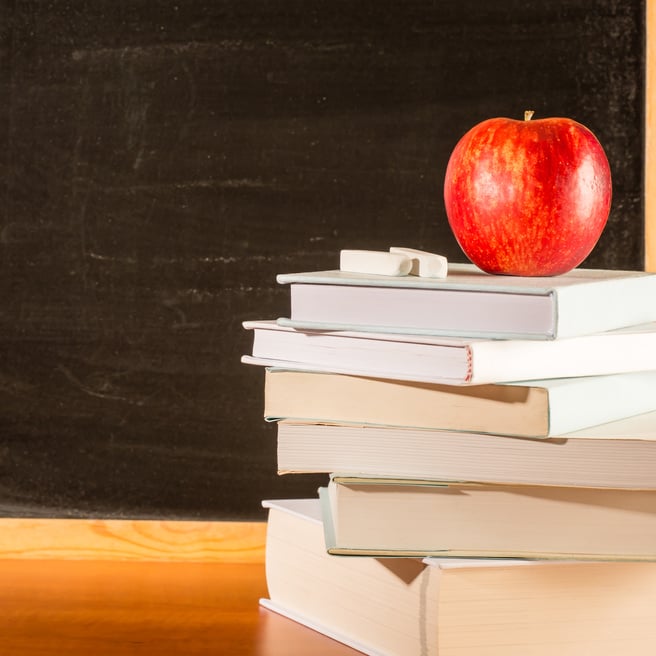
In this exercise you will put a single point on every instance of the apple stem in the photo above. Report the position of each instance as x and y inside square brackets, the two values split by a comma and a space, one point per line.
[528, 114]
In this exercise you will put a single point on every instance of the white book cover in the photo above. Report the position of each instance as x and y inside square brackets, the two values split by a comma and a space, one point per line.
[455, 361]
[469, 302]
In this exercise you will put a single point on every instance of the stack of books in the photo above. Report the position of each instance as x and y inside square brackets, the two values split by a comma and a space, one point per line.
[490, 450]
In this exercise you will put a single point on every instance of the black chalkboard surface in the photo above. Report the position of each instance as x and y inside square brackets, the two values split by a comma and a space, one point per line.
[161, 161]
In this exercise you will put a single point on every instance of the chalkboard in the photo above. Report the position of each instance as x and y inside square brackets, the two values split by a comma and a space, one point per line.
[161, 161]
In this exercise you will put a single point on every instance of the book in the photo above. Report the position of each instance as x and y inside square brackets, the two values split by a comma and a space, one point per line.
[619, 454]
[451, 360]
[535, 409]
[454, 607]
[469, 302]
[396, 517]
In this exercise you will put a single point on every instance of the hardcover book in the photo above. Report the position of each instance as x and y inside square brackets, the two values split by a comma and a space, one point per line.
[454, 607]
[469, 302]
[535, 409]
[394, 517]
[620, 454]
[451, 360]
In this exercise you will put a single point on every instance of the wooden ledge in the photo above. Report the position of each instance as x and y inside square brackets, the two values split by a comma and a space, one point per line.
[128, 540]
[650, 137]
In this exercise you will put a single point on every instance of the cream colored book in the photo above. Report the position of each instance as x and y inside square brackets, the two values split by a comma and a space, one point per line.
[529, 409]
[451, 607]
[395, 517]
[618, 454]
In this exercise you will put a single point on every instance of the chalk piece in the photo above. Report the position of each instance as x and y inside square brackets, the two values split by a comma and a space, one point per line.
[424, 264]
[377, 262]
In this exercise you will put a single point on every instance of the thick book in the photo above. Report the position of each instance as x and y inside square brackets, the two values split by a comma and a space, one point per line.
[535, 409]
[620, 454]
[469, 302]
[454, 361]
[450, 607]
[396, 517]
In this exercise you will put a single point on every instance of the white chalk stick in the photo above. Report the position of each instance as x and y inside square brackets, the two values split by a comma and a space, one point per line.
[377, 262]
[424, 264]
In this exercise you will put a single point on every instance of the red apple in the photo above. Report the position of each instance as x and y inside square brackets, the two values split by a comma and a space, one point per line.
[528, 198]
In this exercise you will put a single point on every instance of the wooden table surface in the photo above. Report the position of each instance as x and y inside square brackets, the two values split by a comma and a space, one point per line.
[77, 608]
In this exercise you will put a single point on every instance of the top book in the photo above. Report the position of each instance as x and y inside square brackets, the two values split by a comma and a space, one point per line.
[471, 303]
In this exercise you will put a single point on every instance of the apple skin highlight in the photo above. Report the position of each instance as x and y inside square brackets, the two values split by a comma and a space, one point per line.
[528, 197]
